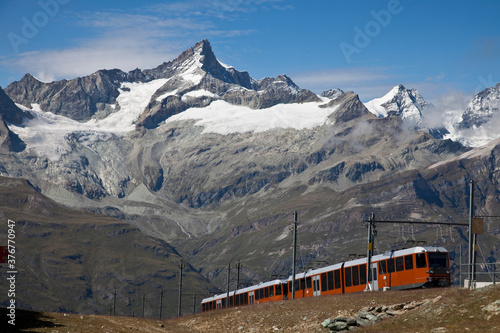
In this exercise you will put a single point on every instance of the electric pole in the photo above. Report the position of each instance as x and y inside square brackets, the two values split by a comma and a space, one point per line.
[179, 303]
[238, 267]
[294, 252]
[471, 242]
[369, 252]
[228, 279]
[143, 304]
[114, 303]
[161, 302]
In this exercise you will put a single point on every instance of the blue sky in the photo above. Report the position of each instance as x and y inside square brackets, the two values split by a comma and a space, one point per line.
[439, 47]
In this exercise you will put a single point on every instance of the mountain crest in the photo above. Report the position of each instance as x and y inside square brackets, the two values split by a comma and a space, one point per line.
[406, 103]
[482, 108]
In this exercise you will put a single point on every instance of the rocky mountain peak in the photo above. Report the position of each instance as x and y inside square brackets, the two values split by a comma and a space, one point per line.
[332, 93]
[406, 103]
[482, 108]
[350, 108]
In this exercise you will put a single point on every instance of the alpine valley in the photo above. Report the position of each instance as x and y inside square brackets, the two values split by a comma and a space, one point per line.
[115, 177]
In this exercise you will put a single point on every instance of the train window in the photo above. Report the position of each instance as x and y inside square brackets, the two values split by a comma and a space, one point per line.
[409, 262]
[266, 292]
[375, 274]
[355, 275]
[336, 276]
[285, 289]
[278, 289]
[420, 257]
[245, 298]
[324, 286]
[400, 264]
[438, 260]
[230, 301]
[290, 285]
[308, 282]
[330, 280]
[302, 284]
[224, 303]
[271, 291]
[347, 274]
[390, 265]
[297, 285]
[362, 274]
[382, 267]
[257, 295]
[261, 292]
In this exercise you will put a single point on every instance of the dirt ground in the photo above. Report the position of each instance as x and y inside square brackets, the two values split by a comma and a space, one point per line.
[450, 310]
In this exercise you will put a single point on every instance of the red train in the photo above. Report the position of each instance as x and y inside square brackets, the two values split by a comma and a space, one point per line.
[410, 268]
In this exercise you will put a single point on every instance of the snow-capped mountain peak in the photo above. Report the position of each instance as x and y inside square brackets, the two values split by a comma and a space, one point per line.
[407, 103]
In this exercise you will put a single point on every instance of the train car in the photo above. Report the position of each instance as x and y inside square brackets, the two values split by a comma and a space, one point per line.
[416, 267]
[263, 292]
[322, 281]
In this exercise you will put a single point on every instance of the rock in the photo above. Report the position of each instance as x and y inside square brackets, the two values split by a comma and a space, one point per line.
[362, 314]
[371, 317]
[326, 323]
[439, 330]
[362, 322]
[437, 299]
[493, 307]
[351, 322]
[410, 306]
[383, 316]
[338, 326]
[343, 319]
[396, 307]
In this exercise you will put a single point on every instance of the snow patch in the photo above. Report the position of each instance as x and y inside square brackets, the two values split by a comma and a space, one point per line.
[223, 118]
[199, 93]
[162, 97]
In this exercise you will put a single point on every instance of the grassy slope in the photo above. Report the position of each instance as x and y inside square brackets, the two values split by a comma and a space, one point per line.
[70, 260]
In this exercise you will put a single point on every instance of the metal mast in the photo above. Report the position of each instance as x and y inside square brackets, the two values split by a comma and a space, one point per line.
[294, 253]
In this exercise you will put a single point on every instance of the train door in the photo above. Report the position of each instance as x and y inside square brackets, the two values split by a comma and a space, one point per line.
[374, 276]
[219, 304]
[316, 288]
[251, 297]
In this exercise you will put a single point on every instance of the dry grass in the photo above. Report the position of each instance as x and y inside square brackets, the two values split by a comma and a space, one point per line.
[453, 310]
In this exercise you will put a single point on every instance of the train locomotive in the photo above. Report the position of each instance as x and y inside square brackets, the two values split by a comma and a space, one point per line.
[416, 267]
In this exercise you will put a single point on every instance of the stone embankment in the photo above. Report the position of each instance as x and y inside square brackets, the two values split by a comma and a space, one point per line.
[372, 314]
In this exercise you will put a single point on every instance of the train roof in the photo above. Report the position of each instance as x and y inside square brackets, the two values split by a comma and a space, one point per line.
[411, 250]
[244, 290]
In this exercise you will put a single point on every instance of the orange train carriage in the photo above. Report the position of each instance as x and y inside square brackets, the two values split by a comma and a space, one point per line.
[416, 267]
